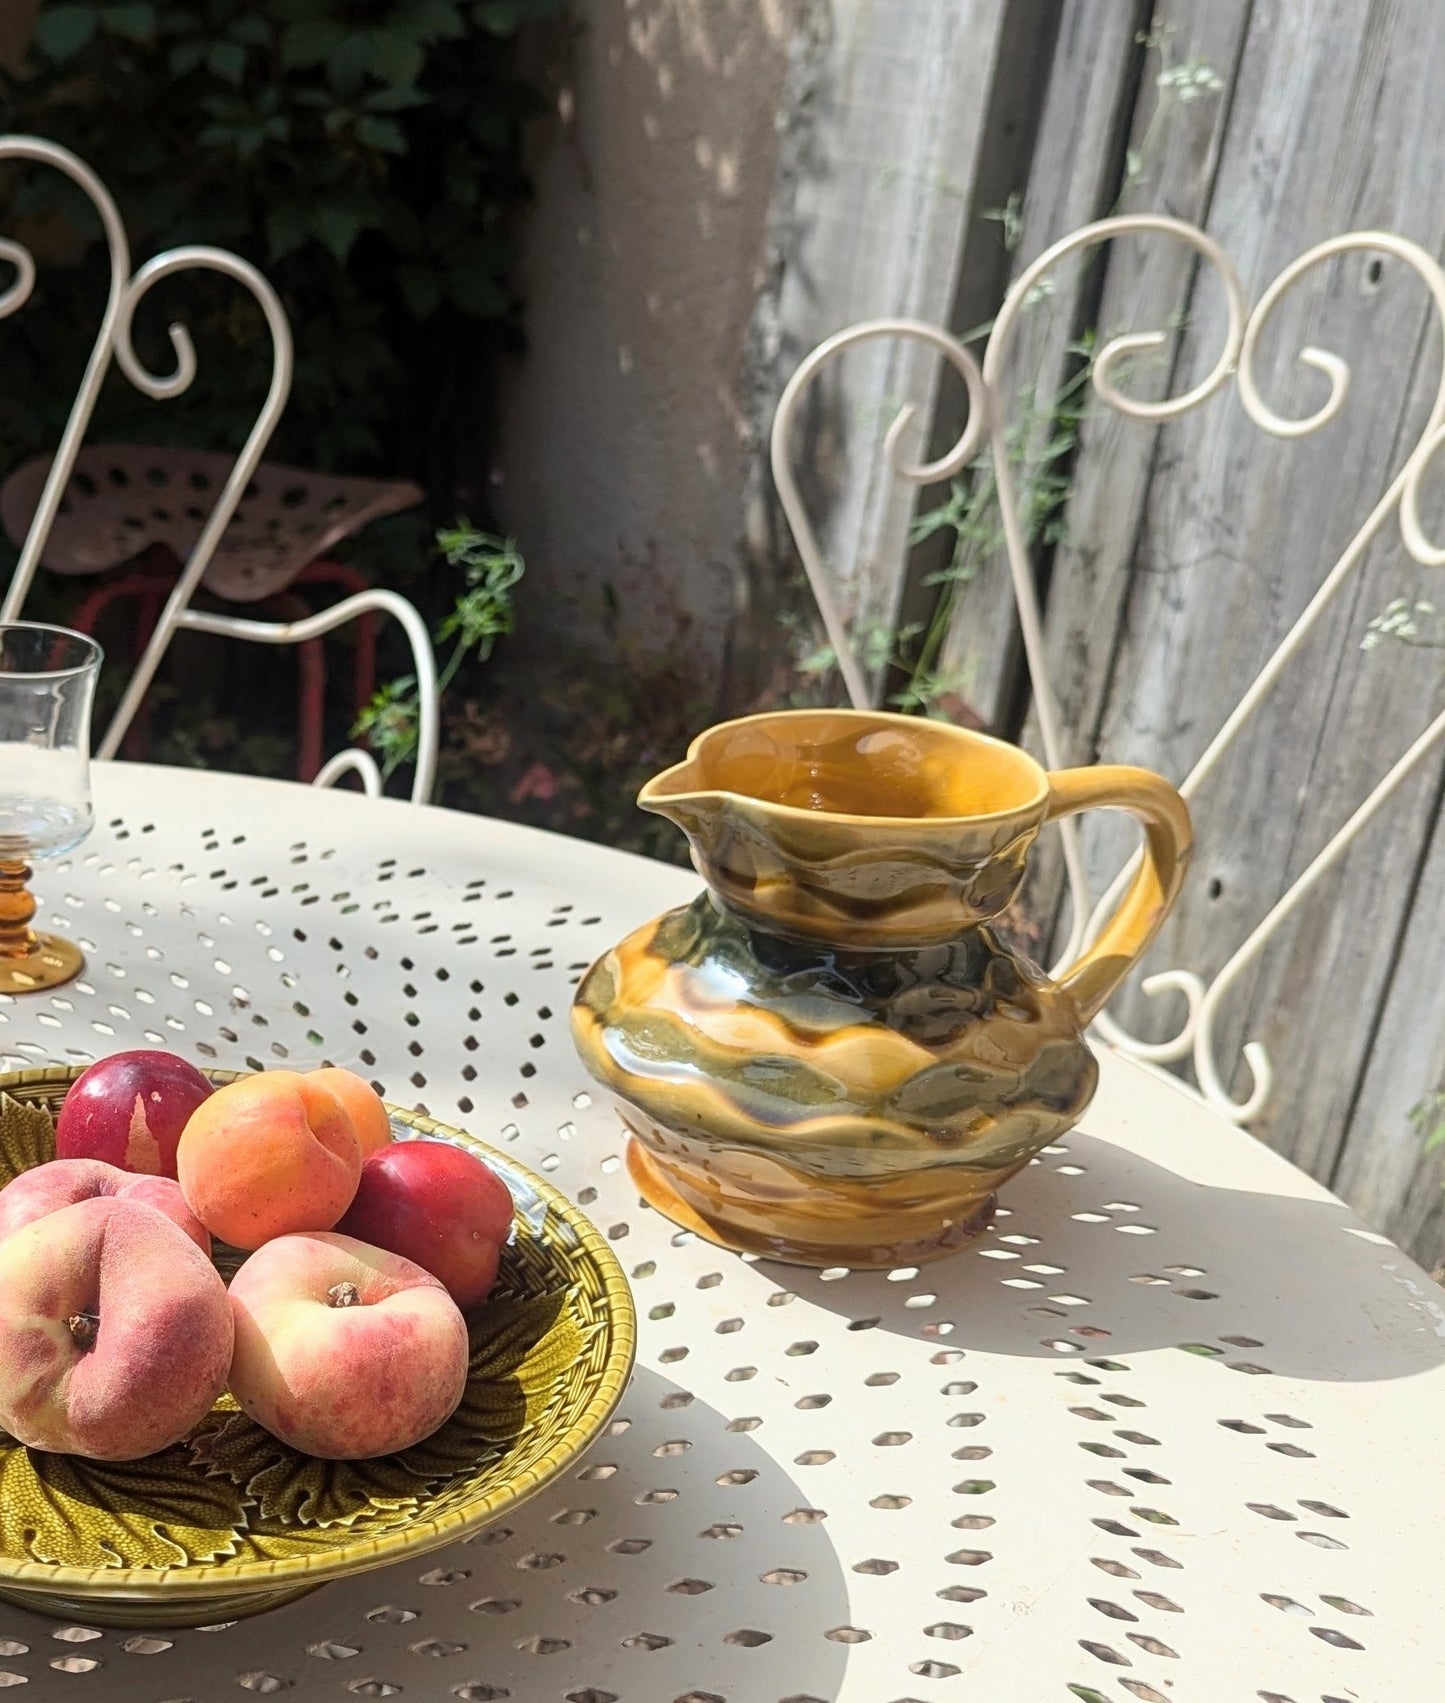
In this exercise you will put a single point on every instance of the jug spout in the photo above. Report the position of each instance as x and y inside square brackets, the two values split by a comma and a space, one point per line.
[855, 829]
[682, 795]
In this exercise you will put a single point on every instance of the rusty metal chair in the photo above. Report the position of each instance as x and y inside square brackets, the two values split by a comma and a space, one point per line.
[133, 513]
[174, 512]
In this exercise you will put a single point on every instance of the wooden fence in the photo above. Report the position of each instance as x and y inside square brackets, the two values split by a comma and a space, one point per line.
[1184, 551]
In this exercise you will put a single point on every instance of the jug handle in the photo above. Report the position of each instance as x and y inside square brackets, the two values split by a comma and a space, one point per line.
[1092, 978]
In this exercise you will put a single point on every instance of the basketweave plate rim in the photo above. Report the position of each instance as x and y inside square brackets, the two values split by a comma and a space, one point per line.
[148, 1584]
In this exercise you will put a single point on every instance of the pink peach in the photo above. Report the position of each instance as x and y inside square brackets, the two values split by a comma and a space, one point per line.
[62, 1182]
[268, 1155]
[342, 1350]
[115, 1332]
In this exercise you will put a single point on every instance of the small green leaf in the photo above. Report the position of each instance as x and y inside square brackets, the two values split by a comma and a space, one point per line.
[470, 289]
[250, 138]
[389, 724]
[484, 253]
[500, 17]
[288, 225]
[250, 31]
[338, 227]
[420, 289]
[135, 21]
[227, 59]
[1427, 1118]
[400, 225]
[429, 20]
[309, 42]
[394, 100]
[348, 61]
[185, 56]
[395, 59]
[61, 31]
[383, 134]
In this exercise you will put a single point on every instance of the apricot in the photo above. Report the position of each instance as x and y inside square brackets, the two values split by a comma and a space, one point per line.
[115, 1331]
[373, 1125]
[47, 1188]
[343, 1350]
[268, 1155]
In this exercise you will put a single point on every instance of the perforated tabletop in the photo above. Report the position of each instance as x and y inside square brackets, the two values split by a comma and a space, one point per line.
[1170, 1431]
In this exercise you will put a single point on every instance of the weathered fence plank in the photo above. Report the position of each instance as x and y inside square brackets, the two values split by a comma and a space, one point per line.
[1148, 283]
[878, 227]
[1074, 179]
[619, 463]
[1383, 1168]
[1192, 554]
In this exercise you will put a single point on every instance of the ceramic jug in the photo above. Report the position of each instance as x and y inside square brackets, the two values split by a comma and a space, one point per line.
[829, 1057]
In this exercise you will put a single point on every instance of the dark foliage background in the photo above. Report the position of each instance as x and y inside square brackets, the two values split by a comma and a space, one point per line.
[365, 154]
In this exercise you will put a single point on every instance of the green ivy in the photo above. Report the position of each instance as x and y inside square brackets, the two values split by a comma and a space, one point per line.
[363, 153]
[490, 567]
[1427, 1118]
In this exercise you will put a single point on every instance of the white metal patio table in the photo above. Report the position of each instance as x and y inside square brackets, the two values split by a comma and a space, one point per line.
[1169, 1431]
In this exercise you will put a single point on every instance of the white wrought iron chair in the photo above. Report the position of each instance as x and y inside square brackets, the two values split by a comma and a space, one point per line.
[984, 433]
[114, 341]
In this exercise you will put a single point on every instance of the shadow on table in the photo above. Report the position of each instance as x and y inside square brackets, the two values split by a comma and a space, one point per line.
[678, 1560]
[1098, 1252]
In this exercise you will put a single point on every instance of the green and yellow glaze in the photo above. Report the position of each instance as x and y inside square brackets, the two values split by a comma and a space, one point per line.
[829, 1057]
[231, 1521]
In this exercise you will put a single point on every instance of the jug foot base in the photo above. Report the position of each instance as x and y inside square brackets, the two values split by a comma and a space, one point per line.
[652, 1184]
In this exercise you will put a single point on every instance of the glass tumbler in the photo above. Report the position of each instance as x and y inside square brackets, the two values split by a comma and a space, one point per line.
[47, 685]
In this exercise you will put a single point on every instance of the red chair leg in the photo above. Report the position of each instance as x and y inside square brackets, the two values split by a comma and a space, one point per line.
[149, 588]
[311, 707]
[327, 572]
[139, 584]
[152, 598]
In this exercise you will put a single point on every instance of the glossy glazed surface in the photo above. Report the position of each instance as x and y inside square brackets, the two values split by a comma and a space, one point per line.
[855, 830]
[231, 1521]
[830, 1057]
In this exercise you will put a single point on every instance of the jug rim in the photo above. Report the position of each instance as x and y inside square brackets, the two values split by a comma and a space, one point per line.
[651, 797]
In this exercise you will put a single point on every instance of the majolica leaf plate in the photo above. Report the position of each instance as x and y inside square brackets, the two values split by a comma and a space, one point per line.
[230, 1521]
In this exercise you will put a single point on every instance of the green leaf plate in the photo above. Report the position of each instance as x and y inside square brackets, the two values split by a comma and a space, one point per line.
[231, 1521]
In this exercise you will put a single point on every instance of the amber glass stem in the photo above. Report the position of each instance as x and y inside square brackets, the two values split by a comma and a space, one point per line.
[17, 907]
